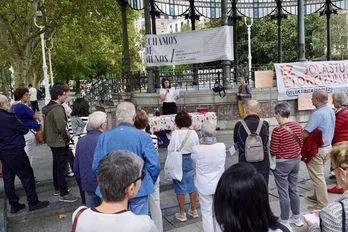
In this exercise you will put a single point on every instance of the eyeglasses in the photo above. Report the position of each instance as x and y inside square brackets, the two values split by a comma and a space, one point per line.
[141, 177]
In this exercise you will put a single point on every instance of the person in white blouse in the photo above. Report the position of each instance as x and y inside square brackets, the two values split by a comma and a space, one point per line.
[209, 157]
[169, 96]
[187, 138]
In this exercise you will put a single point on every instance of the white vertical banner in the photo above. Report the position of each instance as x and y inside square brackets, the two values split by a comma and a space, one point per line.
[189, 47]
[306, 77]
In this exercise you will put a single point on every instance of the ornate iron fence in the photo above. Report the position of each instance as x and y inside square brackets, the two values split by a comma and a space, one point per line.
[187, 78]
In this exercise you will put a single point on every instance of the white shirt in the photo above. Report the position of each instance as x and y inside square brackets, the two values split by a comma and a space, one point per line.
[191, 141]
[32, 93]
[170, 94]
[210, 164]
[92, 221]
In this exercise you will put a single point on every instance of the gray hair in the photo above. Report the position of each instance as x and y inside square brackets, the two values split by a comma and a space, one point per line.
[95, 120]
[341, 97]
[125, 112]
[116, 171]
[283, 108]
[208, 128]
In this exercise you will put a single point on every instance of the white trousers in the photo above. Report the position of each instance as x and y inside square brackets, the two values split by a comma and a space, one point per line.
[30, 146]
[208, 218]
[155, 207]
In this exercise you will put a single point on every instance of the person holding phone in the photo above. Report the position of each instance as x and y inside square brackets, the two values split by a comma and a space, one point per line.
[169, 96]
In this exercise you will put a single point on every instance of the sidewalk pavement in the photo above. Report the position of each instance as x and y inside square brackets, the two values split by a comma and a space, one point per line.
[57, 217]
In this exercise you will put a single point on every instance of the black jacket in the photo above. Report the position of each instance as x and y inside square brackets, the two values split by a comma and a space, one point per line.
[11, 132]
[240, 135]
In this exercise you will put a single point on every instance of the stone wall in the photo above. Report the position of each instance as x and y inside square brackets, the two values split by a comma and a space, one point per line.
[226, 108]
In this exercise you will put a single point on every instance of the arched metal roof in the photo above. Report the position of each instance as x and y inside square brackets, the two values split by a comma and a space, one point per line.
[248, 8]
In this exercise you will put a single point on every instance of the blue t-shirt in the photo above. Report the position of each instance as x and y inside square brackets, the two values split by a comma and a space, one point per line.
[322, 118]
[25, 114]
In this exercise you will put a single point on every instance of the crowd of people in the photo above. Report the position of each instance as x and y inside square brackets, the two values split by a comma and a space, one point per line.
[117, 170]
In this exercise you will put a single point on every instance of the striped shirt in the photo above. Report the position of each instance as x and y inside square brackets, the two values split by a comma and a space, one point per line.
[155, 141]
[283, 144]
[69, 128]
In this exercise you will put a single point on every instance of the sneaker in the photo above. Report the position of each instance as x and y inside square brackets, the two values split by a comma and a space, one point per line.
[181, 217]
[335, 190]
[68, 198]
[36, 181]
[57, 192]
[193, 213]
[298, 222]
[287, 225]
[312, 199]
[39, 205]
[17, 208]
[315, 207]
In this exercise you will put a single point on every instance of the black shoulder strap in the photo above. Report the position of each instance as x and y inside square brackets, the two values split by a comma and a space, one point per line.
[343, 217]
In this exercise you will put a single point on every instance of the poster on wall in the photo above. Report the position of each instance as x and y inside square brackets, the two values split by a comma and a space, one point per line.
[306, 77]
[189, 47]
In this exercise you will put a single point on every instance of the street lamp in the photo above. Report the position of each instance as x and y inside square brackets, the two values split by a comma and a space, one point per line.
[44, 65]
[249, 48]
[49, 58]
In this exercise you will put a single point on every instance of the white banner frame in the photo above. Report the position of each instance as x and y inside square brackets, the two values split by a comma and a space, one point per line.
[307, 77]
[189, 47]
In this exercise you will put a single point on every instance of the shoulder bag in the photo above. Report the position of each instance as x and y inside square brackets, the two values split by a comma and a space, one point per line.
[73, 229]
[173, 164]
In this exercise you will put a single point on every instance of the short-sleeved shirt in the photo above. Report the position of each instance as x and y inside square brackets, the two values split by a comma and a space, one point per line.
[322, 118]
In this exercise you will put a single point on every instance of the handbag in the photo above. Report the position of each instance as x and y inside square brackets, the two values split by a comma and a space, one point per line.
[173, 164]
[39, 135]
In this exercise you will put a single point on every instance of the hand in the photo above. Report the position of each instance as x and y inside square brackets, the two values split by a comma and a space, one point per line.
[177, 97]
[309, 223]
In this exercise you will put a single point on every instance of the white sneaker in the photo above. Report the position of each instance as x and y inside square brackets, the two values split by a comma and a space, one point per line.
[298, 222]
[287, 226]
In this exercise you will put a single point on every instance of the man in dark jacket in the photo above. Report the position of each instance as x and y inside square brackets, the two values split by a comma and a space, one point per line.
[57, 138]
[14, 159]
[239, 136]
[84, 158]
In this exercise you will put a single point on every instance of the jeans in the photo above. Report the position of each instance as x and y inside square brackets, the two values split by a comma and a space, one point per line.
[60, 162]
[139, 205]
[286, 178]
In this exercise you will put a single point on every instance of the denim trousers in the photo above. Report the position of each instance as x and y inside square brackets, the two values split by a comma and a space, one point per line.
[286, 179]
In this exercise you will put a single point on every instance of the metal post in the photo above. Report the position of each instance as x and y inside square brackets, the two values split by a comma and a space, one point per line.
[44, 65]
[126, 57]
[49, 59]
[328, 31]
[235, 18]
[226, 64]
[150, 70]
[250, 81]
[301, 34]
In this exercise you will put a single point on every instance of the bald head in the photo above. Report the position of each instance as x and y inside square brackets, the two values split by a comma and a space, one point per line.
[319, 98]
[252, 107]
[4, 102]
[321, 95]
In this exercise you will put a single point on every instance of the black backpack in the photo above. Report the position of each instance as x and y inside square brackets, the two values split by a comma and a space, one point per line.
[218, 88]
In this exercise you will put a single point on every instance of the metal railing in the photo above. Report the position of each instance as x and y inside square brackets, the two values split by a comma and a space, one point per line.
[192, 77]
